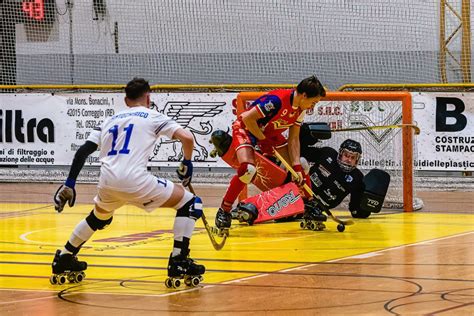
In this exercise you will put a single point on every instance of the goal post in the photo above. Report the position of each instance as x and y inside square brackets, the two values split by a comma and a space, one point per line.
[394, 147]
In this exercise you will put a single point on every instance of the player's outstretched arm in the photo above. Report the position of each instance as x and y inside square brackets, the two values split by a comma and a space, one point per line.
[185, 169]
[66, 192]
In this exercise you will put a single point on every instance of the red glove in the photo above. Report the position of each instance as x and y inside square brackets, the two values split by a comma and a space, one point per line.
[300, 173]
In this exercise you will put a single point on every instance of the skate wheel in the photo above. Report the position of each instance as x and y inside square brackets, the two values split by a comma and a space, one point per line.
[176, 283]
[213, 152]
[53, 279]
[341, 228]
[168, 283]
[302, 225]
[61, 279]
[187, 281]
[195, 281]
[79, 277]
[312, 226]
[71, 278]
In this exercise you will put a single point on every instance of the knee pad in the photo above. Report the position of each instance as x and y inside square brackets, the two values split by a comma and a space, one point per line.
[96, 223]
[196, 209]
[192, 209]
[246, 172]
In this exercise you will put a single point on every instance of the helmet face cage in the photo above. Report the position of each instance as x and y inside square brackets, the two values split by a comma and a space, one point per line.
[352, 147]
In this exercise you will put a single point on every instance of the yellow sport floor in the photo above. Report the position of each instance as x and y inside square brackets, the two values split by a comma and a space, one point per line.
[130, 256]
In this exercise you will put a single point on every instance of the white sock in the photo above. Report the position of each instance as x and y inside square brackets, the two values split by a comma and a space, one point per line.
[186, 230]
[189, 228]
[81, 233]
[179, 229]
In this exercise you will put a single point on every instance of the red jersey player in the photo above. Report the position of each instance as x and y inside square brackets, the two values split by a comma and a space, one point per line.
[262, 125]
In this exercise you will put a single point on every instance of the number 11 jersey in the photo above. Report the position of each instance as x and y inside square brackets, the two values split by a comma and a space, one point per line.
[126, 141]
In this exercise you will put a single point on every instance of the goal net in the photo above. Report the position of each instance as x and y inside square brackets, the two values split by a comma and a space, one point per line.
[218, 42]
[392, 150]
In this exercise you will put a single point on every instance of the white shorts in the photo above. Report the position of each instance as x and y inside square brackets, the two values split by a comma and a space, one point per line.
[153, 194]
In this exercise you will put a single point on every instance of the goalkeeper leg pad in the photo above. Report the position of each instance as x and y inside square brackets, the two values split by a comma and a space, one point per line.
[282, 201]
[246, 172]
[376, 185]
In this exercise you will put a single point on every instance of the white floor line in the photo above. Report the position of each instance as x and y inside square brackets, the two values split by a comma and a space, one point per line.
[245, 278]
[144, 245]
[264, 274]
[365, 256]
[372, 253]
[24, 236]
[403, 246]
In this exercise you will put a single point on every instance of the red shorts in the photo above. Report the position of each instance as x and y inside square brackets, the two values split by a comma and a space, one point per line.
[241, 138]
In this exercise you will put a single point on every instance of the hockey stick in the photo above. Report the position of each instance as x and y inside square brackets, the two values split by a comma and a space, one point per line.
[363, 128]
[209, 229]
[308, 189]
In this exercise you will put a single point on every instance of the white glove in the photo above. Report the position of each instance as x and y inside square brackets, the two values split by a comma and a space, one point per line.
[64, 194]
[185, 172]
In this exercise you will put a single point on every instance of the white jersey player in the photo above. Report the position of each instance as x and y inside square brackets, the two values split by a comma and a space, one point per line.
[126, 141]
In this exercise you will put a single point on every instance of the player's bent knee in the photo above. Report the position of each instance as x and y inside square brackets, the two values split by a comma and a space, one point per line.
[192, 209]
[97, 223]
[196, 209]
[246, 172]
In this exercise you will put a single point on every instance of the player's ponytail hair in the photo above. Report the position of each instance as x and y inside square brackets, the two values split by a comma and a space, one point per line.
[312, 87]
[136, 88]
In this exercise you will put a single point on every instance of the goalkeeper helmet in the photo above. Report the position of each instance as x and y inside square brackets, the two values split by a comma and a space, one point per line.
[349, 155]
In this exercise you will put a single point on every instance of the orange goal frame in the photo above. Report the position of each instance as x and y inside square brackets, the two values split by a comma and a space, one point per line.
[407, 132]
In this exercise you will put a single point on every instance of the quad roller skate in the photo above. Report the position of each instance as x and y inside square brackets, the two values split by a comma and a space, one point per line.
[223, 222]
[67, 268]
[245, 213]
[313, 218]
[182, 267]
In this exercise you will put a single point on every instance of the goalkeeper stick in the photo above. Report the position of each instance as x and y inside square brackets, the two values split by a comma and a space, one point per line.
[363, 128]
[308, 189]
[210, 231]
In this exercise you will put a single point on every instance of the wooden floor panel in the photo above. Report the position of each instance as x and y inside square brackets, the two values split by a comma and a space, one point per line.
[392, 263]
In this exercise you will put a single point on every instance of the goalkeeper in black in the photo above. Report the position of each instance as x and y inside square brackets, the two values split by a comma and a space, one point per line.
[334, 175]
